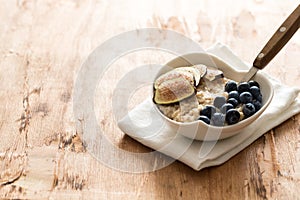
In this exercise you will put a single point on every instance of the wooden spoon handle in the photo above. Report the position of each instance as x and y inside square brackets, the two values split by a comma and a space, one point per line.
[279, 39]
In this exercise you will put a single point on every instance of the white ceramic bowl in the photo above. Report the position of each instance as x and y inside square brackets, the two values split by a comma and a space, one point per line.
[199, 130]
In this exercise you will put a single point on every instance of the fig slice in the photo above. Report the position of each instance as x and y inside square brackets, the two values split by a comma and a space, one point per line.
[178, 84]
[173, 90]
[173, 74]
[213, 74]
[201, 71]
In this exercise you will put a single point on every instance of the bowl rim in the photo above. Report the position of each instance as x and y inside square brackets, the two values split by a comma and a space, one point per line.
[242, 123]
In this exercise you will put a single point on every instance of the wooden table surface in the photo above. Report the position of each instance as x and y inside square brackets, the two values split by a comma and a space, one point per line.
[42, 46]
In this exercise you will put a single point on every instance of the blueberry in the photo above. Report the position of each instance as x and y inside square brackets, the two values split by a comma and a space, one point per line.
[257, 105]
[204, 119]
[246, 97]
[253, 83]
[225, 107]
[232, 116]
[230, 86]
[243, 87]
[233, 102]
[219, 101]
[218, 119]
[248, 109]
[259, 98]
[255, 91]
[233, 94]
[208, 111]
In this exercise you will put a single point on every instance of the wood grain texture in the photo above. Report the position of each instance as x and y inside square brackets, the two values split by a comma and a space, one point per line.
[42, 46]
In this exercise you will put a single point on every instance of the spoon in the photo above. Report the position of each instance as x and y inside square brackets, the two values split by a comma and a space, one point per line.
[275, 44]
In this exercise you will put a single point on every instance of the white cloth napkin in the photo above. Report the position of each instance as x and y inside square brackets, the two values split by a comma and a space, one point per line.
[139, 123]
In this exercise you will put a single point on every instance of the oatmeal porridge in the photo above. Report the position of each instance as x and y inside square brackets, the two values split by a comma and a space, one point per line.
[206, 96]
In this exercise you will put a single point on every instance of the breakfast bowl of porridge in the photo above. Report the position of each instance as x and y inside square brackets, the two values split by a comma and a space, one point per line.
[203, 97]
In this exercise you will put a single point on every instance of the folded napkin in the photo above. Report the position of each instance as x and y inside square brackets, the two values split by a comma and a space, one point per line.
[145, 125]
